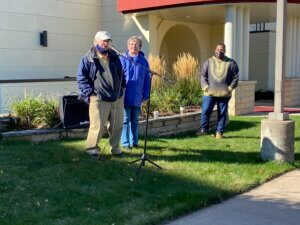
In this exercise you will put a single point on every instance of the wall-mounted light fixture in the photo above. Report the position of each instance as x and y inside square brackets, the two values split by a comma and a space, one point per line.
[44, 38]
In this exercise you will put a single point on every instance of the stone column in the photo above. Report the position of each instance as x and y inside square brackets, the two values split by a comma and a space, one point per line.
[153, 49]
[246, 20]
[298, 47]
[239, 38]
[288, 46]
[236, 39]
[229, 31]
[294, 48]
[277, 132]
[147, 25]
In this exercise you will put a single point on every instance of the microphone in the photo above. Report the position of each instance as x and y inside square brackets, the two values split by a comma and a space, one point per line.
[115, 50]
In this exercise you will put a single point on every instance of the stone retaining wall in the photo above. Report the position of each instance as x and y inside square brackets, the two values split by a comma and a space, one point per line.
[166, 126]
[163, 126]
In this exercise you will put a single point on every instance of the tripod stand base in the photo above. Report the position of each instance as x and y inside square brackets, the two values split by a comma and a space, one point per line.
[143, 159]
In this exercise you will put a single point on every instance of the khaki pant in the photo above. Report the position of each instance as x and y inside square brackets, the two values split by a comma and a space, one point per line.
[100, 112]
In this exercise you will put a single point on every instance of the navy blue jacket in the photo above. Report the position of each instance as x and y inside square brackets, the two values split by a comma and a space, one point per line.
[87, 74]
[137, 79]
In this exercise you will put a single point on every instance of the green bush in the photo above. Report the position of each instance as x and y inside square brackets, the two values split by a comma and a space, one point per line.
[189, 91]
[166, 101]
[35, 112]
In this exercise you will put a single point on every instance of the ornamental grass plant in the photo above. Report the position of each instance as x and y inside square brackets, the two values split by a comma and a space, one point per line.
[186, 73]
[158, 65]
[167, 98]
[35, 112]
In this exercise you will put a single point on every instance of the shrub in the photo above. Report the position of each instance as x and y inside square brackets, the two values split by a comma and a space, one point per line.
[49, 113]
[35, 112]
[167, 101]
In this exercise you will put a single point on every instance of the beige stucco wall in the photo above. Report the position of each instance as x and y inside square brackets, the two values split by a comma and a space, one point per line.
[201, 32]
[121, 26]
[71, 26]
[217, 36]
[55, 89]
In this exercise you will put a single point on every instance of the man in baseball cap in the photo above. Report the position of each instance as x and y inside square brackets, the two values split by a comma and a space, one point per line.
[101, 82]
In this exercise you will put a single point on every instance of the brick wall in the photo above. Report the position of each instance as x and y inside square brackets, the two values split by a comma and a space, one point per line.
[242, 100]
[292, 92]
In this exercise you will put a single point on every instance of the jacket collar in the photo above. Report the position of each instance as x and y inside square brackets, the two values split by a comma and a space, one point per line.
[140, 54]
[91, 55]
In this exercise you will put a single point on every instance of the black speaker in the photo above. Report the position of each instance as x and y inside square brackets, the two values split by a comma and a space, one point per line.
[44, 38]
[73, 113]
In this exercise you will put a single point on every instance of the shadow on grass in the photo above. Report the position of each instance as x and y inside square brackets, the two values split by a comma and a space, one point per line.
[192, 155]
[56, 181]
[241, 125]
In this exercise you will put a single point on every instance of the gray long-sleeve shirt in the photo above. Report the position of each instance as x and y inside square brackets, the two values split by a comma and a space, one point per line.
[219, 77]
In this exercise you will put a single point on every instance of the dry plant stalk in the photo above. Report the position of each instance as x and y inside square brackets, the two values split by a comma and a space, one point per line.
[186, 67]
[157, 64]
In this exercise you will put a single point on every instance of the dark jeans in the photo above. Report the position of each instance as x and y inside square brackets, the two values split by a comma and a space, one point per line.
[208, 104]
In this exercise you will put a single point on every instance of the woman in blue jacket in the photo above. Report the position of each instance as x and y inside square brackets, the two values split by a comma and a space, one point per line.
[136, 70]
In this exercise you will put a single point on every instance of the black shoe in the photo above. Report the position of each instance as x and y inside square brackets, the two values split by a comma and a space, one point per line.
[202, 132]
[135, 146]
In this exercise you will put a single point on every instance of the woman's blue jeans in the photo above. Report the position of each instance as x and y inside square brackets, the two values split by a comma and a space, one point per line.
[130, 126]
[208, 104]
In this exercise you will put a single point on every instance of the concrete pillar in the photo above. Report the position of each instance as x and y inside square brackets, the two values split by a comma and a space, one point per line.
[229, 31]
[298, 47]
[294, 47]
[147, 25]
[239, 31]
[142, 23]
[288, 62]
[153, 48]
[246, 20]
[280, 61]
[277, 132]
[277, 140]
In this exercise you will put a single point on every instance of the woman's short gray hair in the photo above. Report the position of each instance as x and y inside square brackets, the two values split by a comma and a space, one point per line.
[135, 38]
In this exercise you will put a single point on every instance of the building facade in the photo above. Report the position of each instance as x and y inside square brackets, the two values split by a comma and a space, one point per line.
[167, 27]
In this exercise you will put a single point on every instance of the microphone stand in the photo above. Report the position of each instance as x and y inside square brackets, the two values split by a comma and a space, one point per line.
[144, 156]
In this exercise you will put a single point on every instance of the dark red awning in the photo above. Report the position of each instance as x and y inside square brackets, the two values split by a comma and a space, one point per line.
[130, 6]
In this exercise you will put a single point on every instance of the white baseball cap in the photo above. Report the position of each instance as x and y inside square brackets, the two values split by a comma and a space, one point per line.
[102, 35]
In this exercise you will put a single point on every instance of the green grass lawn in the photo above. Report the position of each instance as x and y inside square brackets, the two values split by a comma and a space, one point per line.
[56, 183]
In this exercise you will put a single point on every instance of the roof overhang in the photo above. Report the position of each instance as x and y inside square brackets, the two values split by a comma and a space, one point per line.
[131, 6]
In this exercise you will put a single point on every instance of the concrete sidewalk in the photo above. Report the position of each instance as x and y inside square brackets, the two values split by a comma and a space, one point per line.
[276, 202]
